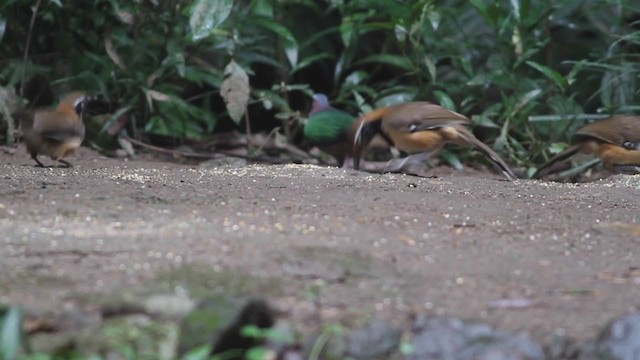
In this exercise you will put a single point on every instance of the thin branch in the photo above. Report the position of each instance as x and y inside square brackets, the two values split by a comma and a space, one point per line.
[27, 45]
[216, 155]
[247, 126]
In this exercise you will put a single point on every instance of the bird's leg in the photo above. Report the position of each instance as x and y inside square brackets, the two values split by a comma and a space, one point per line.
[348, 163]
[65, 163]
[397, 165]
[34, 156]
[626, 169]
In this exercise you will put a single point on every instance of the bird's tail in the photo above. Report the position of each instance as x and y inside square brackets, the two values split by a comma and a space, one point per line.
[469, 138]
[568, 152]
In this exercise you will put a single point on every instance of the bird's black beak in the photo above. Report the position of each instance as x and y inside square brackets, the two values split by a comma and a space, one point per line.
[366, 131]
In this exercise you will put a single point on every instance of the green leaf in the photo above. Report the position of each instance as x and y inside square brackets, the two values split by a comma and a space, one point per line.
[553, 75]
[431, 67]
[199, 353]
[444, 100]
[257, 353]
[356, 77]
[57, 2]
[207, 15]
[347, 30]
[452, 159]
[397, 98]
[484, 121]
[401, 32]
[310, 60]
[556, 148]
[290, 43]
[526, 99]
[262, 8]
[235, 90]
[10, 333]
[394, 60]
[490, 12]
[434, 19]
[362, 103]
[515, 5]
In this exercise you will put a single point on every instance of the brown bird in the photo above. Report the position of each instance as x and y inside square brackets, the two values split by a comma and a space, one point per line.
[419, 127]
[55, 133]
[615, 140]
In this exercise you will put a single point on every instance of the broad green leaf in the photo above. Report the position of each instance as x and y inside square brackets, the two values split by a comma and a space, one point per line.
[431, 67]
[515, 6]
[199, 353]
[577, 67]
[484, 121]
[362, 103]
[57, 2]
[452, 159]
[556, 148]
[434, 19]
[235, 90]
[526, 99]
[290, 43]
[553, 75]
[346, 31]
[10, 333]
[489, 11]
[310, 60]
[356, 77]
[395, 99]
[444, 100]
[262, 8]
[394, 60]
[207, 15]
[401, 32]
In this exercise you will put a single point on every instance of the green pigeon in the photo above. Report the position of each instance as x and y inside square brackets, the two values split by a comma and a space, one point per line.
[328, 128]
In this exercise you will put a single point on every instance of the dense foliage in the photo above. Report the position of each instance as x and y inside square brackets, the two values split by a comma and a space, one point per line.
[522, 70]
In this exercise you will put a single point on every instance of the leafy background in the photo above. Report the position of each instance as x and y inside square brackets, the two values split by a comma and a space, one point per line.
[528, 73]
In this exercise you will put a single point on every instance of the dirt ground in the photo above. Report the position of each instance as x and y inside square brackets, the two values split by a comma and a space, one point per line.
[372, 245]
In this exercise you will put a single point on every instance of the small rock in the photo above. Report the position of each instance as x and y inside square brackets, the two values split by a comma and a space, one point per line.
[374, 341]
[169, 305]
[620, 340]
[442, 338]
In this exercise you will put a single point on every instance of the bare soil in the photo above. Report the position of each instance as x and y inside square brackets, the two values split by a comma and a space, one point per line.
[368, 245]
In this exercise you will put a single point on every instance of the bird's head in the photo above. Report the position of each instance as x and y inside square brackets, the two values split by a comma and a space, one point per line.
[79, 101]
[320, 102]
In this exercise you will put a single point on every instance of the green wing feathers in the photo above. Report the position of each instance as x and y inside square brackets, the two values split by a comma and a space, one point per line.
[328, 126]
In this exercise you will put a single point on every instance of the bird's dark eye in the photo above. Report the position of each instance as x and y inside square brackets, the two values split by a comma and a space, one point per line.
[413, 127]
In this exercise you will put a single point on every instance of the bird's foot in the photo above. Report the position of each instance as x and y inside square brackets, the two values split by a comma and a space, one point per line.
[65, 164]
[401, 165]
[627, 169]
[35, 158]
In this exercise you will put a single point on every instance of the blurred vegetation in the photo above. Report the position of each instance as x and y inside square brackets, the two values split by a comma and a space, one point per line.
[162, 63]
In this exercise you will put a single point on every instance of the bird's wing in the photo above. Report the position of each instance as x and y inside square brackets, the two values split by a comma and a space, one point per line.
[421, 116]
[615, 130]
[328, 126]
[55, 127]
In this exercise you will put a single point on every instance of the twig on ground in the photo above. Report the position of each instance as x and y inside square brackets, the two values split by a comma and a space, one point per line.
[216, 155]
